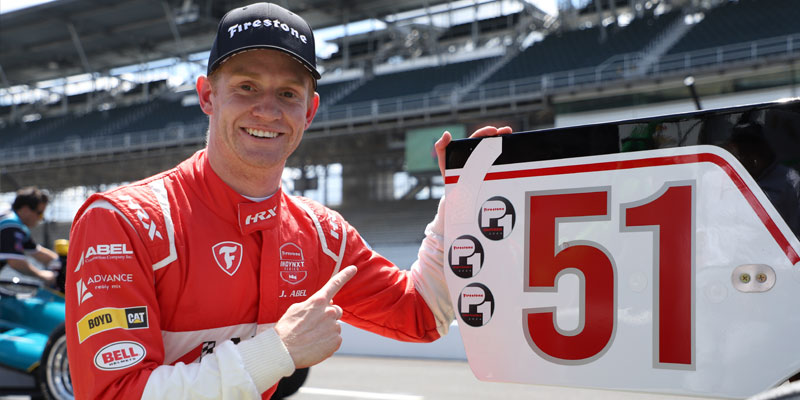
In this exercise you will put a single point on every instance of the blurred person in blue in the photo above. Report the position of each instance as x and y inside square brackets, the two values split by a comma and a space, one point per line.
[16, 242]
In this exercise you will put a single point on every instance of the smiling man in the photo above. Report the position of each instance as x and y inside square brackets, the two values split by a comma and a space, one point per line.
[234, 283]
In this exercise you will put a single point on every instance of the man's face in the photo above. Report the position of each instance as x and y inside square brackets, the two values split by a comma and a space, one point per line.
[260, 102]
[31, 217]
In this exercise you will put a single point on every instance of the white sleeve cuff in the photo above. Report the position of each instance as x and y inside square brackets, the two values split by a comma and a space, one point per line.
[266, 359]
[437, 225]
[428, 273]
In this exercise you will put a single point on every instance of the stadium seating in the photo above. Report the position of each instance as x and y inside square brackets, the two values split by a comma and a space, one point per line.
[736, 32]
[161, 114]
[365, 45]
[744, 21]
[328, 92]
[582, 48]
[359, 48]
[417, 81]
[135, 118]
[741, 22]
[486, 26]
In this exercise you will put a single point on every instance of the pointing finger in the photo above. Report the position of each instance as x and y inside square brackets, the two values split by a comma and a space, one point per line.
[337, 281]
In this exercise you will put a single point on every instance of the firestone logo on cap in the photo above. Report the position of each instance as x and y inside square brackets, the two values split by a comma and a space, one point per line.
[266, 23]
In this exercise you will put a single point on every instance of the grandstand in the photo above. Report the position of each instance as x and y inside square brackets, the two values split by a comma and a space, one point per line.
[507, 64]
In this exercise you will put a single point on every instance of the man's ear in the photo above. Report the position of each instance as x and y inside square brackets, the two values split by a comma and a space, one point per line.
[312, 109]
[204, 91]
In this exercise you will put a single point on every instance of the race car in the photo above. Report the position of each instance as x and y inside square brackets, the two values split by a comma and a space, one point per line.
[33, 350]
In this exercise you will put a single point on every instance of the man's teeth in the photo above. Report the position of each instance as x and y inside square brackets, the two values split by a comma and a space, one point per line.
[261, 134]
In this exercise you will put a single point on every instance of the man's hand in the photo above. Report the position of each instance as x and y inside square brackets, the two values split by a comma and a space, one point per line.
[442, 143]
[310, 330]
[49, 277]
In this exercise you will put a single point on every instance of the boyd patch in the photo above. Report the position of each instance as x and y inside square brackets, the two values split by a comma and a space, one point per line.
[111, 318]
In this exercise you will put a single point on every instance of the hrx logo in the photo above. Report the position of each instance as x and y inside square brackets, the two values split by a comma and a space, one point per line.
[228, 256]
[260, 216]
[144, 218]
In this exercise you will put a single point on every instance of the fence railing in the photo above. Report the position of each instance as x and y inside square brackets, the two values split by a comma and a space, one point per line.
[735, 53]
[619, 67]
[179, 135]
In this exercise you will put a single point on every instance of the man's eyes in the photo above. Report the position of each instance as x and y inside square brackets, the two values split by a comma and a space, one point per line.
[289, 94]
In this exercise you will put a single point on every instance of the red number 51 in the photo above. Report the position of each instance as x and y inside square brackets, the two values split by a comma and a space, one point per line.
[669, 215]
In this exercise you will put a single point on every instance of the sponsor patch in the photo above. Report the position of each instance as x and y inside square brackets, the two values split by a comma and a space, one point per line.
[466, 256]
[114, 251]
[476, 304]
[83, 292]
[109, 278]
[496, 218]
[119, 355]
[292, 264]
[260, 216]
[257, 216]
[111, 318]
[97, 282]
[228, 256]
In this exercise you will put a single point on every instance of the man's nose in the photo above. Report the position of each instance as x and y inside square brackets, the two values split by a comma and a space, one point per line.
[267, 106]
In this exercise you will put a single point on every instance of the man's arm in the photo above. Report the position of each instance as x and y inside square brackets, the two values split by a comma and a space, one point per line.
[25, 267]
[308, 333]
[110, 360]
[405, 305]
[14, 245]
[44, 255]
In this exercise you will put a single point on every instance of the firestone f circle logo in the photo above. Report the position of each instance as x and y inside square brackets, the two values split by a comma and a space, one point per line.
[228, 256]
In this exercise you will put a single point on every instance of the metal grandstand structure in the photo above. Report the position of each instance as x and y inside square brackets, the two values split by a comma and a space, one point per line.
[65, 38]
[367, 137]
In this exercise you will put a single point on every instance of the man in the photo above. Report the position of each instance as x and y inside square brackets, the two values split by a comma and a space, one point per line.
[16, 242]
[208, 281]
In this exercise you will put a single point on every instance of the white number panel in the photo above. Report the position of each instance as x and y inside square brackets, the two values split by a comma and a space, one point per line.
[663, 271]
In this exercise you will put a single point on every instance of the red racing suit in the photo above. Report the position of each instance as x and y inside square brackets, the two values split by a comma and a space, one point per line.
[174, 284]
